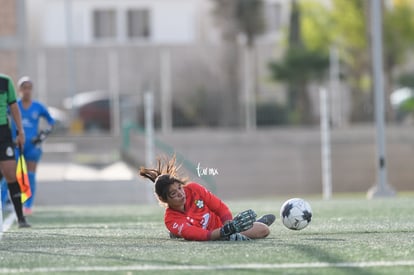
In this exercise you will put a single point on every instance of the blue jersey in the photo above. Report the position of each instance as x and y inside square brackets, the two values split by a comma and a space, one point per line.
[30, 120]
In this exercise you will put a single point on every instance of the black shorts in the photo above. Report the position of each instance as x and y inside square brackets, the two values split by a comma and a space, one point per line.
[6, 144]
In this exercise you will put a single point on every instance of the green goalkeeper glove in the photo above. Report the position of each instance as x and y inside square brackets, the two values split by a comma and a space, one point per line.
[240, 223]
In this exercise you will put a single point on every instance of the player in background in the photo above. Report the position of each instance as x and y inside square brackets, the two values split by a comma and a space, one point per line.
[31, 112]
[194, 213]
[7, 145]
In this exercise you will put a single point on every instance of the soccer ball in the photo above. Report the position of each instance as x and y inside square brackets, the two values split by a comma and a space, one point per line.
[296, 214]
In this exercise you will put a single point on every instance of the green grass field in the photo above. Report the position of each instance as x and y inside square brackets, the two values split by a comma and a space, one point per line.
[348, 235]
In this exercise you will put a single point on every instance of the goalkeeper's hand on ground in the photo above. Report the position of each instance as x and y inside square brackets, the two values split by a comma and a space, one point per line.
[242, 222]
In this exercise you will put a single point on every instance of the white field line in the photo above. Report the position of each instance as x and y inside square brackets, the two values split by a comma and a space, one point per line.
[206, 267]
[7, 223]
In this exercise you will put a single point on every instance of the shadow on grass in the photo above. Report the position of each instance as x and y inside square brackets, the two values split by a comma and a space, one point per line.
[83, 257]
[322, 256]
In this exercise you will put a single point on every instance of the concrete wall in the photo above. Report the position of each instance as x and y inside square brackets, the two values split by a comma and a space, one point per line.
[8, 37]
[287, 161]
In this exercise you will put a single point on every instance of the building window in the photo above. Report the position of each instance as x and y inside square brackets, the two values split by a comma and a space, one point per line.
[104, 24]
[138, 23]
[273, 15]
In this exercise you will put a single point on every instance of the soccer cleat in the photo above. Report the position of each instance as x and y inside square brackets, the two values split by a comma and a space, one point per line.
[172, 236]
[23, 223]
[267, 219]
[238, 237]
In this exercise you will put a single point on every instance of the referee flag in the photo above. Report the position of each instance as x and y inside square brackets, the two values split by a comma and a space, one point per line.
[23, 178]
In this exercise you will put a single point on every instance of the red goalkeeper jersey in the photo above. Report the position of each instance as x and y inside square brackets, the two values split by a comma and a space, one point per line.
[203, 213]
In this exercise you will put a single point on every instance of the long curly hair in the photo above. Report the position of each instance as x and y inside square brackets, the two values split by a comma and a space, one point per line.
[165, 174]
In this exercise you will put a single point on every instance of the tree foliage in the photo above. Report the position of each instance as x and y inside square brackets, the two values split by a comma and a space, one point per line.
[250, 19]
[241, 17]
[299, 66]
[398, 31]
[235, 17]
[345, 24]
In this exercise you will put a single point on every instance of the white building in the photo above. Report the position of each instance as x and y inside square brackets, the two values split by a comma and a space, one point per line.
[133, 21]
[65, 59]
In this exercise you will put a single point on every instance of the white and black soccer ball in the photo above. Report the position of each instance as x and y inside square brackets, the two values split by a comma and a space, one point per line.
[296, 214]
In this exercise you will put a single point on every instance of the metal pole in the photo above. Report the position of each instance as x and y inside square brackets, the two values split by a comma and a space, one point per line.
[166, 101]
[22, 68]
[325, 145]
[149, 137]
[247, 89]
[149, 128]
[41, 76]
[70, 57]
[381, 189]
[113, 77]
[335, 93]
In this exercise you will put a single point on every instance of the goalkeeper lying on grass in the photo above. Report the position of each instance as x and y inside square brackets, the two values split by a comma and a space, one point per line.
[194, 213]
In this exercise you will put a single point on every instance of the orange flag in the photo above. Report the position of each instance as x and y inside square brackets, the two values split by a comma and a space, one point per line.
[23, 178]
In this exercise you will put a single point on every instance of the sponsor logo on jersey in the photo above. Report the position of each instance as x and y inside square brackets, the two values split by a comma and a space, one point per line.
[199, 203]
[9, 151]
[35, 115]
[205, 220]
[179, 227]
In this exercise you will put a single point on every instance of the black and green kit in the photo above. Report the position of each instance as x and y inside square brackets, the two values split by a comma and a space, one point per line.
[7, 97]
